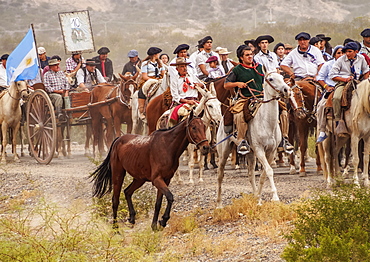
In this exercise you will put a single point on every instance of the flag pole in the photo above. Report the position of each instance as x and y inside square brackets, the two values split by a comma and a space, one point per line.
[37, 54]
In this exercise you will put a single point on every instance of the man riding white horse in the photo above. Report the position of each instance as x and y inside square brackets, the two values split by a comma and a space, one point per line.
[247, 79]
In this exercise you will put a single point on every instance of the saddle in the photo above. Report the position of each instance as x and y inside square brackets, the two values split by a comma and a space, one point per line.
[248, 106]
[346, 96]
[174, 115]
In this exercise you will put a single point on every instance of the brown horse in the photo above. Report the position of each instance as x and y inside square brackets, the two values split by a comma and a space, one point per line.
[153, 158]
[303, 115]
[115, 108]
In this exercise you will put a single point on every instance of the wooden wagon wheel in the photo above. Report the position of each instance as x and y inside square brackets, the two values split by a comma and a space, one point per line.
[41, 127]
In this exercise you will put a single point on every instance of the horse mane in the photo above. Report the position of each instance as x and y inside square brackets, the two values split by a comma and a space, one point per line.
[362, 105]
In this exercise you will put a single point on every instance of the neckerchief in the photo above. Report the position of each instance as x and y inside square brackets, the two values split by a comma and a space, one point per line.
[103, 68]
[156, 70]
[305, 54]
[269, 57]
[352, 67]
[187, 84]
[254, 67]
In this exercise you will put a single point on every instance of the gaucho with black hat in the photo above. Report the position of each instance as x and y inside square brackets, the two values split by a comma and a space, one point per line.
[181, 51]
[202, 67]
[104, 64]
[264, 56]
[151, 68]
[326, 48]
[304, 61]
[365, 45]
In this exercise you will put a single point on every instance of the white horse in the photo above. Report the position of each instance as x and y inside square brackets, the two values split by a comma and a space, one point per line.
[358, 125]
[211, 108]
[138, 126]
[10, 114]
[263, 134]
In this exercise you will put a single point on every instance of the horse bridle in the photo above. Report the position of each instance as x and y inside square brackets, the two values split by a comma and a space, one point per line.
[18, 92]
[269, 83]
[309, 114]
[206, 110]
[189, 134]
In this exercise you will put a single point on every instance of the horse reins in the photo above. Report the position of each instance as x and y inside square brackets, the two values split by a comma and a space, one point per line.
[189, 134]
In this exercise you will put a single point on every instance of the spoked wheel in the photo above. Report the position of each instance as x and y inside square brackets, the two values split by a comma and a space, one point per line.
[41, 127]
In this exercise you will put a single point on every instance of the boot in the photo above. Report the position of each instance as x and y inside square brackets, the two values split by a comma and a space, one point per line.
[142, 109]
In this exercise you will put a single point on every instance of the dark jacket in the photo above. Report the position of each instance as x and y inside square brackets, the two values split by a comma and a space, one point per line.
[108, 67]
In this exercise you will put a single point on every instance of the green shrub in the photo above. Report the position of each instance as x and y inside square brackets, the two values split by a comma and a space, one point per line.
[334, 226]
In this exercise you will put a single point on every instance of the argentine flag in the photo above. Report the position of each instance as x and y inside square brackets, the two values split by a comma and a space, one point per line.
[22, 63]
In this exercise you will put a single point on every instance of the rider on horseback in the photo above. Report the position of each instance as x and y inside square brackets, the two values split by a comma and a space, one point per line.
[247, 79]
[3, 77]
[347, 68]
[151, 68]
[183, 84]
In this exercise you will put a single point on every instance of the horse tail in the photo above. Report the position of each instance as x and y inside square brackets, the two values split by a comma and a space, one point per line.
[102, 176]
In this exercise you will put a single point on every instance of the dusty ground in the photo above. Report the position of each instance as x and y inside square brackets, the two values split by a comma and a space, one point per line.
[65, 180]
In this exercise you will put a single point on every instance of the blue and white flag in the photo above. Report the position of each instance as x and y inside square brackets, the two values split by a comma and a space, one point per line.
[22, 63]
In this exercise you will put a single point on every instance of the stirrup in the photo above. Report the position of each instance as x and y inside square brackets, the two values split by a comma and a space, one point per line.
[243, 148]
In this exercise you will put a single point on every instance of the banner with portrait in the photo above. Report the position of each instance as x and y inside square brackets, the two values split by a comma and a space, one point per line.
[76, 31]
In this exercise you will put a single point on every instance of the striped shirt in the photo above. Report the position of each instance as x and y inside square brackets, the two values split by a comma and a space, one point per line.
[55, 81]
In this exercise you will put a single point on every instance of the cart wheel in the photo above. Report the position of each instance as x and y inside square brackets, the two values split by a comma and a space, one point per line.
[41, 127]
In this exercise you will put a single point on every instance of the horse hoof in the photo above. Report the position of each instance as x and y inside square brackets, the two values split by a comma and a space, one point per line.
[191, 181]
[201, 180]
[206, 168]
[302, 174]
[215, 166]
[17, 160]
[22, 154]
[292, 171]
[162, 224]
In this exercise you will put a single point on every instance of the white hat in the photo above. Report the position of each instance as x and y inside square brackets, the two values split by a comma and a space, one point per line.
[223, 51]
[41, 50]
[218, 49]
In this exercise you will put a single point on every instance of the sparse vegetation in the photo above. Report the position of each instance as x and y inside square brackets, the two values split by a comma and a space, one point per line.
[334, 226]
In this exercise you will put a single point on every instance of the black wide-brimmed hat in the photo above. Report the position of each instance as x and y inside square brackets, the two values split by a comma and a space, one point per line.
[252, 41]
[4, 57]
[314, 40]
[323, 37]
[103, 51]
[91, 62]
[181, 47]
[269, 38]
[154, 50]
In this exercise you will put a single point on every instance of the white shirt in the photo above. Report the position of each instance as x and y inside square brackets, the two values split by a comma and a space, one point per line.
[177, 84]
[201, 59]
[216, 72]
[364, 49]
[342, 67]
[3, 77]
[324, 73]
[80, 76]
[269, 60]
[304, 66]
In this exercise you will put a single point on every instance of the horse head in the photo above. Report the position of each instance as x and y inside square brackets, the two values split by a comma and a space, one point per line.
[210, 105]
[297, 102]
[196, 133]
[277, 84]
[71, 78]
[22, 90]
[126, 89]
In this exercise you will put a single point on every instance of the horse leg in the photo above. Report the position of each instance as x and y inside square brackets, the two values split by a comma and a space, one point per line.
[269, 172]
[251, 159]
[318, 161]
[87, 140]
[201, 167]
[191, 162]
[303, 134]
[280, 159]
[355, 158]
[135, 184]
[224, 151]
[162, 187]
[205, 163]
[14, 143]
[4, 129]
[365, 173]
